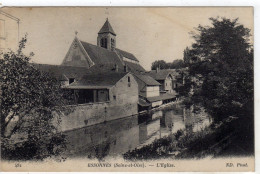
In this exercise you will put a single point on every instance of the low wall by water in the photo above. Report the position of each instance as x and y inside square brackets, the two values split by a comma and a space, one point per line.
[94, 113]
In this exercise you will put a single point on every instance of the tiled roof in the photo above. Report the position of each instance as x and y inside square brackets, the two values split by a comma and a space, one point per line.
[104, 68]
[59, 71]
[133, 67]
[147, 79]
[142, 102]
[100, 55]
[107, 59]
[126, 55]
[160, 75]
[78, 63]
[177, 72]
[107, 28]
[94, 80]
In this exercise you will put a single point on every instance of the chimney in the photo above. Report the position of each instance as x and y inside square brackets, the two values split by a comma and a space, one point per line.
[125, 68]
[158, 69]
[116, 68]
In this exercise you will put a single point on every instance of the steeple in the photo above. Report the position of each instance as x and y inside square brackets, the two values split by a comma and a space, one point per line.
[107, 37]
[107, 28]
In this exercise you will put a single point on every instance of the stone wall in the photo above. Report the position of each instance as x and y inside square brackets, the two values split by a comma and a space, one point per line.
[123, 102]
[117, 136]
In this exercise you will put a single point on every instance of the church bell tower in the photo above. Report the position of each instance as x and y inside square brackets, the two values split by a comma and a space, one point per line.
[107, 37]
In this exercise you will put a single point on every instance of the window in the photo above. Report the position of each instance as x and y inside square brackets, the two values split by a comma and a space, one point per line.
[101, 43]
[71, 80]
[104, 42]
[114, 97]
[129, 82]
[112, 43]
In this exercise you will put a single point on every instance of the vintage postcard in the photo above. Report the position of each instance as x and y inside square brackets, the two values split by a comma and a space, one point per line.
[161, 89]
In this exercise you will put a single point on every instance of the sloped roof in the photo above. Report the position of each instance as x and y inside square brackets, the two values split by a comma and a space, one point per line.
[107, 59]
[126, 55]
[160, 75]
[98, 68]
[107, 28]
[147, 79]
[133, 67]
[58, 71]
[94, 80]
[100, 55]
[142, 102]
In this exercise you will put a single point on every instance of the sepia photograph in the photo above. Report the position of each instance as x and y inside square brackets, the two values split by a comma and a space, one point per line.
[127, 89]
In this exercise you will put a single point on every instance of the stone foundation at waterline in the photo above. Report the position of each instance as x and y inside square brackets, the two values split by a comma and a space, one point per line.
[90, 114]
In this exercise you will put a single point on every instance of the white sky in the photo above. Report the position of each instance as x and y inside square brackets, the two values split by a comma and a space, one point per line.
[149, 33]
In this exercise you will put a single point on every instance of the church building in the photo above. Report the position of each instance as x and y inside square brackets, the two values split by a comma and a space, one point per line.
[84, 60]
[104, 56]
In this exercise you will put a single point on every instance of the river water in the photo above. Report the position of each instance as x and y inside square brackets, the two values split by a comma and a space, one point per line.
[116, 137]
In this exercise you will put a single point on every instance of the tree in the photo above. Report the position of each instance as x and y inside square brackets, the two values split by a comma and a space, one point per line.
[159, 64]
[222, 60]
[176, 64]
[28, 100]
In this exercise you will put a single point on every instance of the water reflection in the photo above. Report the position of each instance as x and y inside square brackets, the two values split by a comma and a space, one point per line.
[118, 136]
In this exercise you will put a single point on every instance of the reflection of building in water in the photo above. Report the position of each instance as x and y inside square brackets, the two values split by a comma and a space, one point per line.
[142, 133]
[9, 32]
[148, 131]
[110, 138]
[157, 115]
[119, 136]
[174, 119]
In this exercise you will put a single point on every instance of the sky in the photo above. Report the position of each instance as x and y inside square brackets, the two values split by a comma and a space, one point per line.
[148, 33]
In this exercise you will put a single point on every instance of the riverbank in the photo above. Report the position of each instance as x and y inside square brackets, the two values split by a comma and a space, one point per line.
[215, 140]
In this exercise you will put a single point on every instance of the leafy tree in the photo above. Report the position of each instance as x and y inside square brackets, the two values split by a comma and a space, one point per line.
[28, 100]
[176, 64]
[159, 64]
[222, 63]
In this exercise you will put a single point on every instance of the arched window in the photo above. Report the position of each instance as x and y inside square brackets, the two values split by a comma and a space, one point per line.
[112, 43]
[102, 43]
[105, 44]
